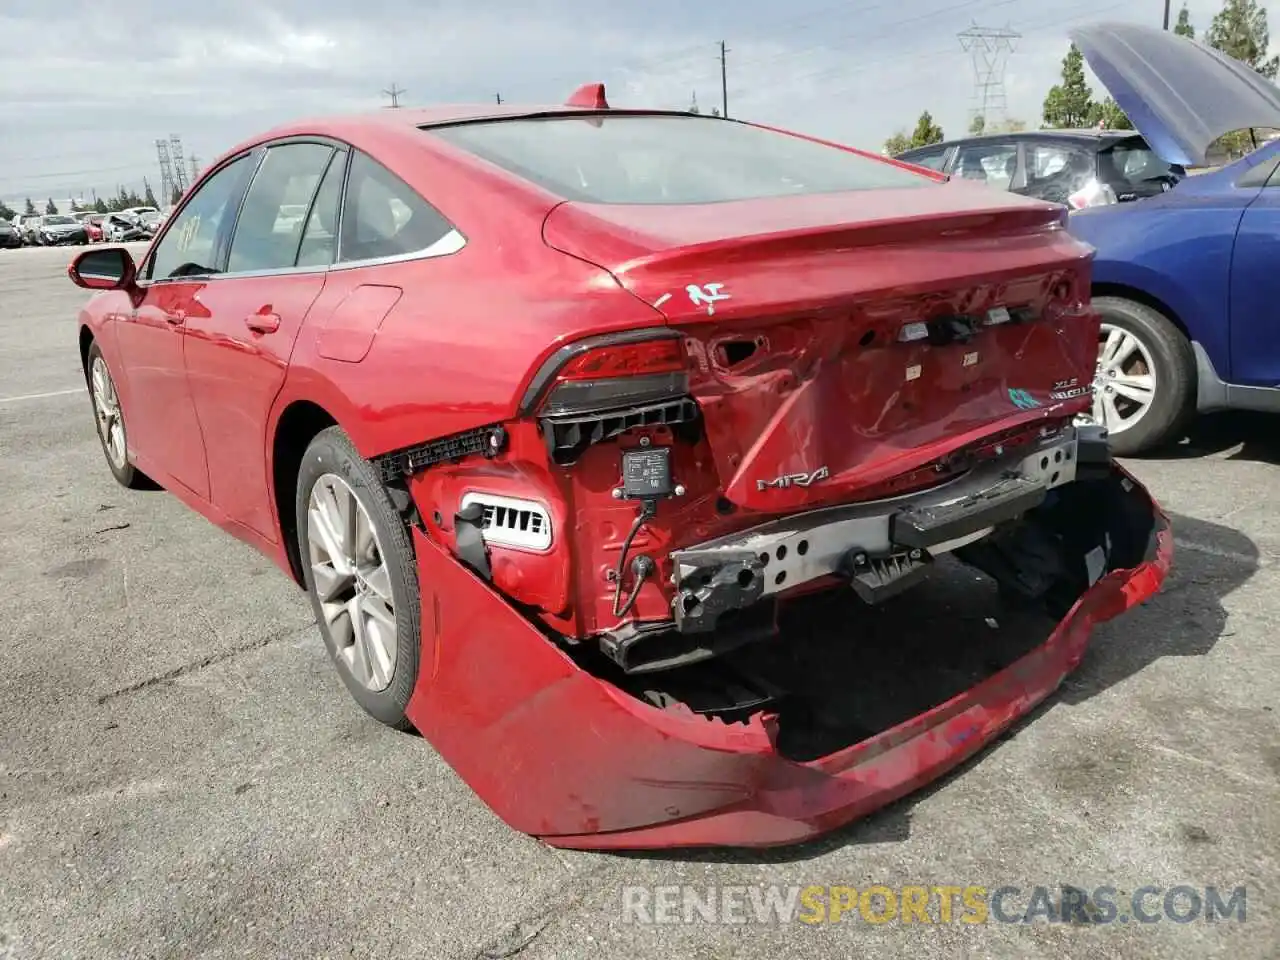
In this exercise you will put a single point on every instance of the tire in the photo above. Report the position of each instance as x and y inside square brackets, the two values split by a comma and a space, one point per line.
[381, 680]
[107, 417]
[1162, 349]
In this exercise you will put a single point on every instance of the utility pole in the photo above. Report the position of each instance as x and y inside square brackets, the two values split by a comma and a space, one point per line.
[724, 81]
[499, 96]
[1166, 14]
[394, 93]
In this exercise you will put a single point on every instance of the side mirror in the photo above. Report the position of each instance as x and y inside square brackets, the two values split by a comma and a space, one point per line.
[109, 269]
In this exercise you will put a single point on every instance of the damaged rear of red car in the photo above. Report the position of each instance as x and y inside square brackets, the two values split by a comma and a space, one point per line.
[849, 373]
[682, 481]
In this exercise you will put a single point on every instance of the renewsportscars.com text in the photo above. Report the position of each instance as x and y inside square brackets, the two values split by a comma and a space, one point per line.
[971, 904]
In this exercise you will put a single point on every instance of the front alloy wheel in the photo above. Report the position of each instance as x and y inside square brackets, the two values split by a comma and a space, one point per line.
[1144, 381]
[109, 420]
[1124, 383]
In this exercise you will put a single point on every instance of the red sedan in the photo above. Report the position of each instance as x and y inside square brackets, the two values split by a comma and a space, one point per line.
[93, 227]
[557, 413]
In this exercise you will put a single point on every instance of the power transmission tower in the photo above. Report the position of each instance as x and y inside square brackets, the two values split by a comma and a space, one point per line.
[394, 93]
[166, 168]
[989, 48]
[724, 81]
[195, 167]
[179, 164]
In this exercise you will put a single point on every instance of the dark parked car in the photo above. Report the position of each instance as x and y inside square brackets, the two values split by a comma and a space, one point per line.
[1077, 168]
[9, 236]
[57, 229]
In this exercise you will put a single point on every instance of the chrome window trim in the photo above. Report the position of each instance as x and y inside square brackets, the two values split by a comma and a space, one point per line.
[451, 243]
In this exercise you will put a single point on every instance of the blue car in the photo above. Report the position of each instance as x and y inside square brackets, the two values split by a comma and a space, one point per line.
[1187, 282]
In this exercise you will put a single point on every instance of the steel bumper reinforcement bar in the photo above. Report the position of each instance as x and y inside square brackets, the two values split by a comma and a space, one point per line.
[881, 547]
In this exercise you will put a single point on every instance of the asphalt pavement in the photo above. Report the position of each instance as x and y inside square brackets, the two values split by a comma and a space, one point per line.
[183, 775]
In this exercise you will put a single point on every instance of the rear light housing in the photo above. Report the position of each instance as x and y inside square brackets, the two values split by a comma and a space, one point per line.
[613, 375]
[598, 389]
[1093, 194]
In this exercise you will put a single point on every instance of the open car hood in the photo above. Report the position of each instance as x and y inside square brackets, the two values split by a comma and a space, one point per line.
[1180, 94]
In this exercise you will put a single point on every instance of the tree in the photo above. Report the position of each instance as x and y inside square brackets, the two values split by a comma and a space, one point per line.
[1069, 103]
[977, 125]
[148, 197]
[1183, 27]
[926, 131]
[897, 144]
[1109, 115]
[30, 210]
[50, 208]
[1240, 31]
[7, 212]
[175, 197]
[101, 206]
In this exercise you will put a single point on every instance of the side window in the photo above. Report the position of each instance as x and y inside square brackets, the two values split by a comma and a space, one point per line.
[188, 246]
[383, 216]
[270, 223]
[1055, 171]
[932, 160]
[992, 163]
[320, 236]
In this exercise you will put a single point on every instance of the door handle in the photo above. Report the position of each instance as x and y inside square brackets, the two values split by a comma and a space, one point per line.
[261, 322]
[176, 317]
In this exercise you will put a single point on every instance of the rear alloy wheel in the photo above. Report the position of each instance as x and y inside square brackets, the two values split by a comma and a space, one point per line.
[109, 419]
[360, 574]
[1143, 380]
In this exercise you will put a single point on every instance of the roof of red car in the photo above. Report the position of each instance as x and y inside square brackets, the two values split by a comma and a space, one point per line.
[414, 117]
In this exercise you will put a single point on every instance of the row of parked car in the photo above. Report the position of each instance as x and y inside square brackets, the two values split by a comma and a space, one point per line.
[57, 229]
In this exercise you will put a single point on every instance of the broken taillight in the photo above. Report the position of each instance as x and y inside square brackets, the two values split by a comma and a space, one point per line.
[619, 375]
[597, 390]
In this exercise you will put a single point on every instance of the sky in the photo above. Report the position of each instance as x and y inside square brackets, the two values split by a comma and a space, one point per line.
[86, 86]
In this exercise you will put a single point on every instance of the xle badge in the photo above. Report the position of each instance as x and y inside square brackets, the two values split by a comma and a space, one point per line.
[788, 480]
[1068, 389]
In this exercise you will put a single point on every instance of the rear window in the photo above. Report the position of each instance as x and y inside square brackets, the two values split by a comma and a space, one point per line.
[669, 159]
[1131, 161]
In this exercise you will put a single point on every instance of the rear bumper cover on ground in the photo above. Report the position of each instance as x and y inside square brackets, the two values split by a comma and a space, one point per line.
[562, 755]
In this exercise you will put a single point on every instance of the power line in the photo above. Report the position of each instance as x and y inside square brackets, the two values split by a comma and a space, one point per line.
[687, 53]
[857, 74]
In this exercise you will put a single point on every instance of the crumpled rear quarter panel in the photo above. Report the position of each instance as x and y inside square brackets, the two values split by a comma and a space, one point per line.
[561, 755]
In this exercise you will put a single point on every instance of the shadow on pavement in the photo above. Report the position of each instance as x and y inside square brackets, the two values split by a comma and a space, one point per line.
[1254, 433]
[936, 641]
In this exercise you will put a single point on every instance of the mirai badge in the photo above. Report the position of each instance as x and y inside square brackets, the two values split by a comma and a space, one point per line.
[788, 480]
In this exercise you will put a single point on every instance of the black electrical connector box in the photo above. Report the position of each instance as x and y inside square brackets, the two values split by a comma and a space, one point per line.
[646, 473]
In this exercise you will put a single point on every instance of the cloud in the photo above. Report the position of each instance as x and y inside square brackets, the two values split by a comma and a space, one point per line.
[86, 87]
